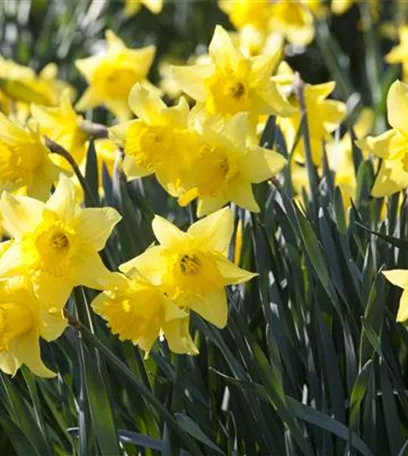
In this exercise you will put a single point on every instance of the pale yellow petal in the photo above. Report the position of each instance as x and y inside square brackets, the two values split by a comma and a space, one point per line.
[88, 66]
[333, 113]
[262, 164]
[263, 65]
[63, 200]
[167, 233]
[397, 106]
[214, 231]
[119, 132]
[133, 170]
[89, 99]
[222, 50]
[95, 225]
[398, 277]
[155, 6]
[391, 179]
[213, 307]
[26, 348]
[402, 314]
[231, 273]
[178, 337]
[89, 270]
[12, 262]
[150, 264]
[191, 79]
[20, 214]
[146, 104]
[9, 363]
[207, 204]
[241, 193]
[52, 292]
[378, 145]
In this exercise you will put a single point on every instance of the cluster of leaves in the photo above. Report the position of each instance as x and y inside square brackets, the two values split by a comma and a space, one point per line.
[311, 362]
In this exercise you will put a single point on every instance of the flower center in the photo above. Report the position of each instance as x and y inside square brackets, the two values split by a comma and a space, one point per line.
[15, 320]
[189, 264]
[148, 145]
[227, 93]
[114, 79]
[51, 247]
[17, 163]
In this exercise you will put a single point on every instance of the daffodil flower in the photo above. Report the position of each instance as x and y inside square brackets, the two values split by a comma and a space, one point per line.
[231, 83]
[112, 74]
[56, 243]
[323, 117]
[399, 54]
[392, 145]
[62, 125]
[25, 161]
[158, 141]
[24, 319]
[225, 166]
[138, 311]
[191, 267]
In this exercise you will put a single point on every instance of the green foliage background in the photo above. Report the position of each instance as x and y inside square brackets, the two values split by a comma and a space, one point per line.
[312, 361]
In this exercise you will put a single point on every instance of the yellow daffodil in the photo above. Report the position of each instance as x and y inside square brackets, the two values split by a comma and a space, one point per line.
[132, 7]
[191, 267]
[294, 19]
[399, 54]
[399, 277]
[62, 125]
[156, 141]
[112, 74]
[225, 166]
[232, 83]
[22, 84]
[56, 243]
[24, 319]
[391, 146]
[138, 311]
[25, 161]
[323, 117]
[247, 12]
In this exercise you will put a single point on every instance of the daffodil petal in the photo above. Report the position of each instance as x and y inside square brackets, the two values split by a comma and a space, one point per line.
[26, 348]
[398, 277]
[397, 106]
[241, 193]
[213, 307]
[191, 79]
[62, 201]
[207, 204]
[402, 314]
[391, 179]
[89, 270]
[20, 214]
[178, 337]
[95, 225]
[9, 363]
[146, 104]
[231, 273]
[215, 231]
[149, 263]
[52, 291]
[262, 164]
[222, 50]
[167, 233]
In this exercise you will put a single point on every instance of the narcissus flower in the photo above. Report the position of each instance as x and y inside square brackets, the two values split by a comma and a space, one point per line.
[156, 141]
[247, 12]
[399, 277]
[24, 319]
[232, 83]
[138, 311]
[225, 166]
[112, 74]
[399, 54]
[62, 125]
[25, 161]
[132, 7]
[391, 146]
[323, 117]
[21, 84]
[191, 267]
[56, 243]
